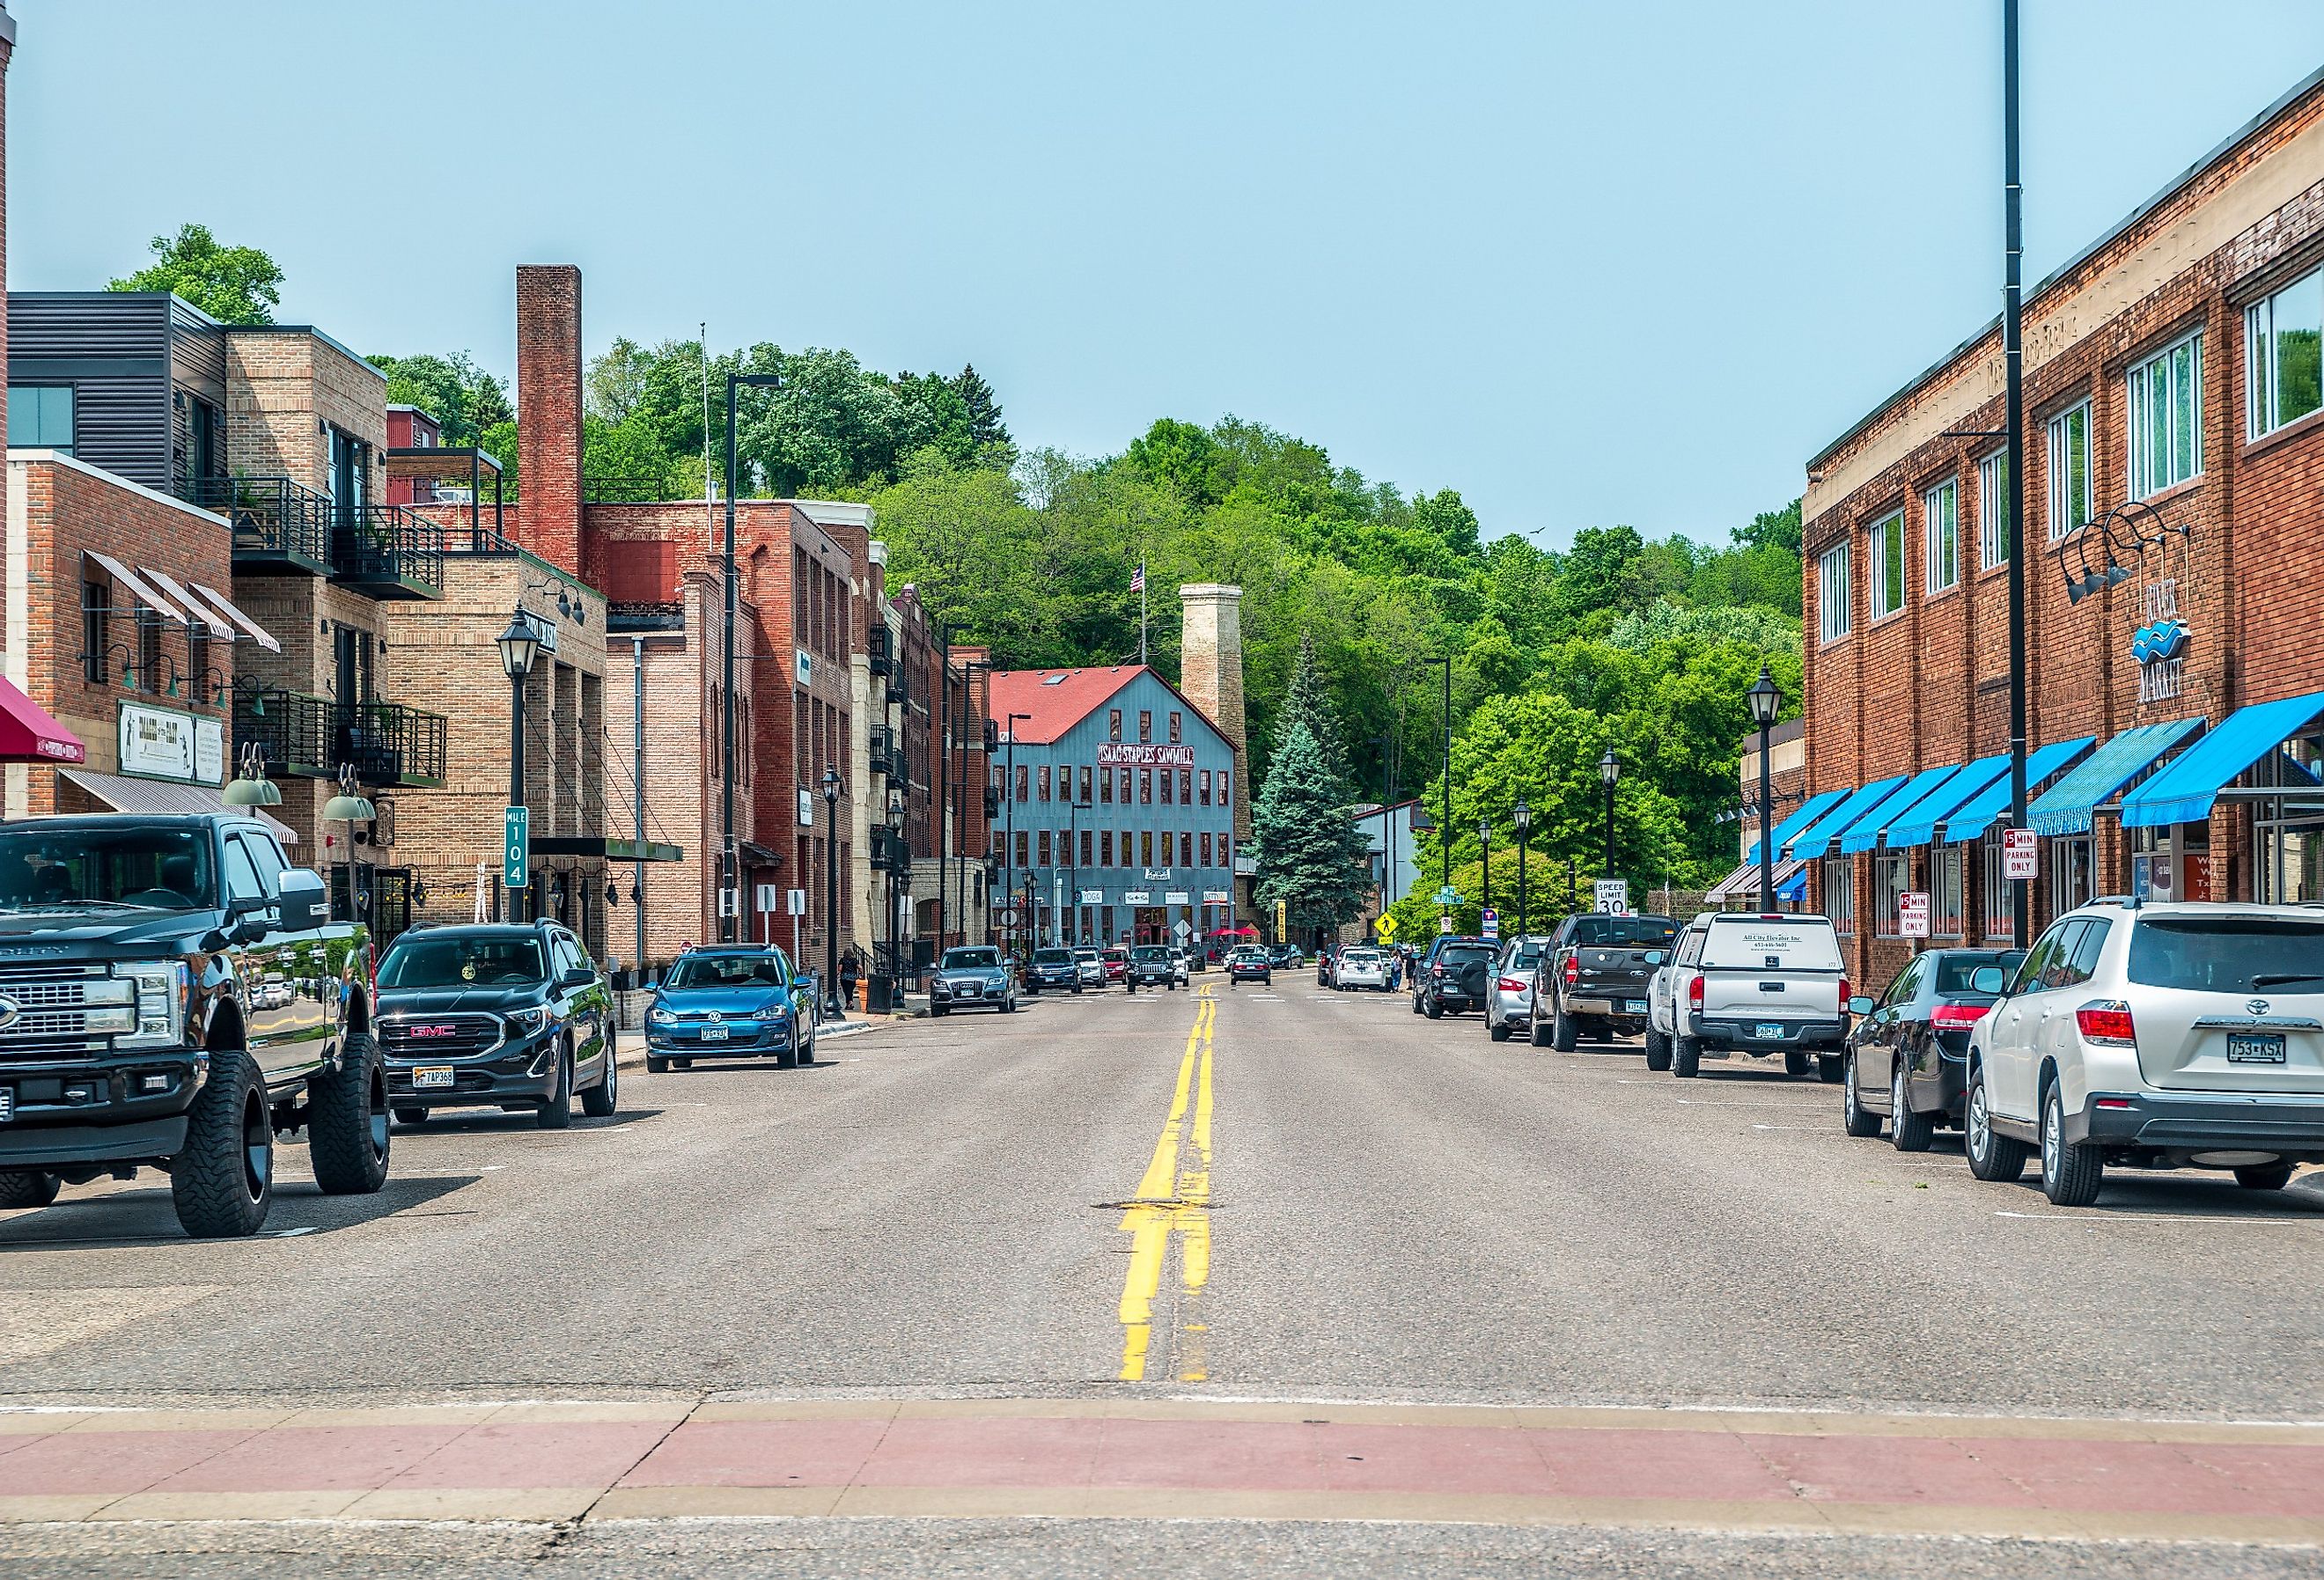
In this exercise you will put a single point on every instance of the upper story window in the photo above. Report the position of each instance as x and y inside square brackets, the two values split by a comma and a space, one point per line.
[1045, 782]
[1993, 510]
[1940, 535]
[1203, 780]
[1145, 724]
[2282, 335]
[1887, 565]
[1105, 786]
[2166, 418]
[41, 417]
[1085, 797]
[2070, 471]
[1113, 724]
[1832, 591]
[1173, 726]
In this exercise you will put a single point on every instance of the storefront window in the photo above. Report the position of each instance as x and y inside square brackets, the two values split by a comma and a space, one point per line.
[1946, 914]
[1839, 894]
[1891, 875]
[2000, 907]
[2070, 876]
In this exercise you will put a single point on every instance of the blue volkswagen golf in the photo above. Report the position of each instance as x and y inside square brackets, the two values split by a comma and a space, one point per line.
[730, 1003]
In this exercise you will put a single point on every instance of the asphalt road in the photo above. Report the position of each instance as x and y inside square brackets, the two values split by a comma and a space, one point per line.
[1395, 1211]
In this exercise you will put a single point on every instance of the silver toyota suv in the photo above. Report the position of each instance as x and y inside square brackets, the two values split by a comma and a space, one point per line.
[2152, 1036]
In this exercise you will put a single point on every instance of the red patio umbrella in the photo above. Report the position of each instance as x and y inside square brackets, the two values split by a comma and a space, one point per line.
[28, 735]
[1235, 932]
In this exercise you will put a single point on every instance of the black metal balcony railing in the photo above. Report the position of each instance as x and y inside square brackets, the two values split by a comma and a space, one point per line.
[642, 489]
[387, 551]
[890, 851]
[882, 660]
[385, 743]
[991, 802]
[883, 750]
[629, 617]
[278, 524]
[900, 688]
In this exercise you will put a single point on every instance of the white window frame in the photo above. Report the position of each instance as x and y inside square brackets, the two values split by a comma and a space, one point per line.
[1832, 576]
[1948, 898]
[2068, 513]
[1993, 510]
[2262, 375]
[1838, 882]
[1892, 876]
[2150, 474]
[1999, 905]
[2073, 875]
[1941, 540]
[1883, 556]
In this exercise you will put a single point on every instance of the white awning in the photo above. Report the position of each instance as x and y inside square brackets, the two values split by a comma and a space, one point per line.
[137, 586]
[225, 605]
[1743, 882]
[192, 604]
[164, 797]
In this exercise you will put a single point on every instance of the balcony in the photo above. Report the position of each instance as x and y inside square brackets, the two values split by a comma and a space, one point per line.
[386, 743]
[991, 802]
[386, 551]
[890, 851]
[882, 653]
[634, 618]
[280, 527]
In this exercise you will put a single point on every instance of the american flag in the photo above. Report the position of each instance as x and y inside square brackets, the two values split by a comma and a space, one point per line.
[1137, 578]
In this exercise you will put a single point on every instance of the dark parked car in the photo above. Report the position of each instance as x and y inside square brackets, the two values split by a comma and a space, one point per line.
[743, 1002]
[1286, 958]
[1248, 962]
[1592, 981]
[1457, 976]
[1907, 1057]
[1150, 966]
[1053, 968]
[176, 994]
[972, 977]
[508, 1015]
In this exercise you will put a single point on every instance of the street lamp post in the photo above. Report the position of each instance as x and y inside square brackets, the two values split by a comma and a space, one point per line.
[1009, 833]
[1609, 770]
[1447, 853]
[1485, 864]
[895, 973]
[1522, 816]
[838, 1011]
[729, 872]
[517, 644]
[1766, 698]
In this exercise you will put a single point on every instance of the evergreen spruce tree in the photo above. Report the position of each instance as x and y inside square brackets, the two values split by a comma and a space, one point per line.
[989, 433]
[1308, 702]
[1310, 855]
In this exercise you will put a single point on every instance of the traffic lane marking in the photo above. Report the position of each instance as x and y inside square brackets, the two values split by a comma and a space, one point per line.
[1173, 1198]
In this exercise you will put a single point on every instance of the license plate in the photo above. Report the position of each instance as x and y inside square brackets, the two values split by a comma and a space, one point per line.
[714, 1034]
[1770, 1031]
[1636, 1006]
[2255, 1048]
[432, 1077]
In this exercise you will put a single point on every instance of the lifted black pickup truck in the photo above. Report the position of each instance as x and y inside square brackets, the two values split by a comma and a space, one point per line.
[172, 994]
[1593, 977]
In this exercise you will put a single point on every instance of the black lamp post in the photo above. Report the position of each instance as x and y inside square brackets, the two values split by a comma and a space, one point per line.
[899, 883]
[1484, 864]
[837, 1009]
[517, 644]
[1522, 816]
[1009, 834]
[1767, 698]
[729, 873]
[1609, 770]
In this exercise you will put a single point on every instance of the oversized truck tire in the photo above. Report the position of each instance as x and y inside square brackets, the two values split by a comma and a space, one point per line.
[223, 1181]
[33, 1189]
[346, 1121]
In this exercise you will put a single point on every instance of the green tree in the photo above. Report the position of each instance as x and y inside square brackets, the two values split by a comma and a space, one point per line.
[234, 286]
[1307, 705]
[986, 431]
[464, 398]
[1312, 858]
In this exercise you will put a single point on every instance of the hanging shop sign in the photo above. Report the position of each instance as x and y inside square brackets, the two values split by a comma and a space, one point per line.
[1135, 754]
[2160, 644]
[161, 743]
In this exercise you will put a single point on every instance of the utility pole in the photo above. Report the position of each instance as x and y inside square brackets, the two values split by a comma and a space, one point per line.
[730, 909]
[638, 777]
[2012, 356]
[944, 769]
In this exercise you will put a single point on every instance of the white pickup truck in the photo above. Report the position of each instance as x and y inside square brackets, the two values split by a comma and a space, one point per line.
[1760, 983]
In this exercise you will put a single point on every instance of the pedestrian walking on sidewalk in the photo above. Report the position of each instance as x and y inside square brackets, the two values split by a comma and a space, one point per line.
[851, 970]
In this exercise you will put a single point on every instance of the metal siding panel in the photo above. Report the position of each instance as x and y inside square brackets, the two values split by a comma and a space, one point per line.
[123, 425]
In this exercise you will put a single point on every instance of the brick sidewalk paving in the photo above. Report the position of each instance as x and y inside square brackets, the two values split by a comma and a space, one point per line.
[1732, 1471]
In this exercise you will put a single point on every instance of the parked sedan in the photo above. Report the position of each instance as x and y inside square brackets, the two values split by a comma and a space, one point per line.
[1249, 963]
[1907, 1057]
[744, 1002]
[1116, 962]
[1053, 968]
[972, 977]
[1508, 1002]
[506, 1016]
[1361, 966]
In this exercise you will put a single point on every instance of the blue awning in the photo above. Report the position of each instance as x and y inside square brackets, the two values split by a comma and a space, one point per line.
[2067, 806]
[1792, 892]
[1865, 833]
[1807, 812]
[1813, 841]
[2183, 791]
[1918, 823]
[1973, 816]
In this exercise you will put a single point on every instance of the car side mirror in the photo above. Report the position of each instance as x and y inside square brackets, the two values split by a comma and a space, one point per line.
[1986, 979]
[1861, 1005]
[305, 901]
[579, 976]
[1654, 957]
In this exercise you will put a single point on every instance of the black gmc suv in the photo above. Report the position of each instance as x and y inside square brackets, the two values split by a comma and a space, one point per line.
[173, 995]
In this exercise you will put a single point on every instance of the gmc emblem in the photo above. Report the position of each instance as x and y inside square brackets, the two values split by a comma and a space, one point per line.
[428, 1031]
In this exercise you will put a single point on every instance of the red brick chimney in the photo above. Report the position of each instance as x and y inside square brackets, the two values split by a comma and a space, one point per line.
[549, 411]
[7, 50]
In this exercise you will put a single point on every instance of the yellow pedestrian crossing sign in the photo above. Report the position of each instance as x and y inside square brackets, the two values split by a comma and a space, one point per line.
[1386, 928]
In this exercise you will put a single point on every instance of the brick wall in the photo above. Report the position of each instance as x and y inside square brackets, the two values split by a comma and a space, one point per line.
[2251, 219]
[549, 369]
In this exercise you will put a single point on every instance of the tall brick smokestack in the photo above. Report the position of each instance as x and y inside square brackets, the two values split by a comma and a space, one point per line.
[8, 52]
[1210, 672]
[549, 411]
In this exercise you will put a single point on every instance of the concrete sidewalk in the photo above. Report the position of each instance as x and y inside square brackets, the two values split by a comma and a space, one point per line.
[1729, 1470]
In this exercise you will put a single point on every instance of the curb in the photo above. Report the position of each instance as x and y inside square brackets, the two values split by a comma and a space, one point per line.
[629, 1044]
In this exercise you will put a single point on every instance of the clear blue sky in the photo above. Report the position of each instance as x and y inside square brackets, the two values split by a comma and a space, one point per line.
[1586, 264]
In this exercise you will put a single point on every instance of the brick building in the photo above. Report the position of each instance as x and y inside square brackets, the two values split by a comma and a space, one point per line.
[2174, 461]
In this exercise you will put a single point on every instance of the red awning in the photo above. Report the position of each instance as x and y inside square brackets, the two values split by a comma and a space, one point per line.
[28, 735]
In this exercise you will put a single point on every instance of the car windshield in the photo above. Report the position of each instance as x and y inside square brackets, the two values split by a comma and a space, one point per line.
[1052, 956]
[726, 971]
[1360, 957]
[971, 959]
[2228, 954]
[1465, 954]
[463, 960]
[1149, 952]
[1624, 932]
[53, 867]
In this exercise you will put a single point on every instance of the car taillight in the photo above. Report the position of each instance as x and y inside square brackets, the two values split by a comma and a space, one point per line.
[2107, 1020]
[1511, 985]
[1844, 995]
[1957, 1014]
[1436, 971]
[1572, 971]
[1694, 994]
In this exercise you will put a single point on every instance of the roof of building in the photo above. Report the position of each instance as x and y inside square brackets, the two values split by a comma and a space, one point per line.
[2058, 275]
[1056, 700]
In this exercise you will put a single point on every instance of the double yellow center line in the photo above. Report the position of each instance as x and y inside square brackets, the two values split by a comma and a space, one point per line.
[1174, 1198]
